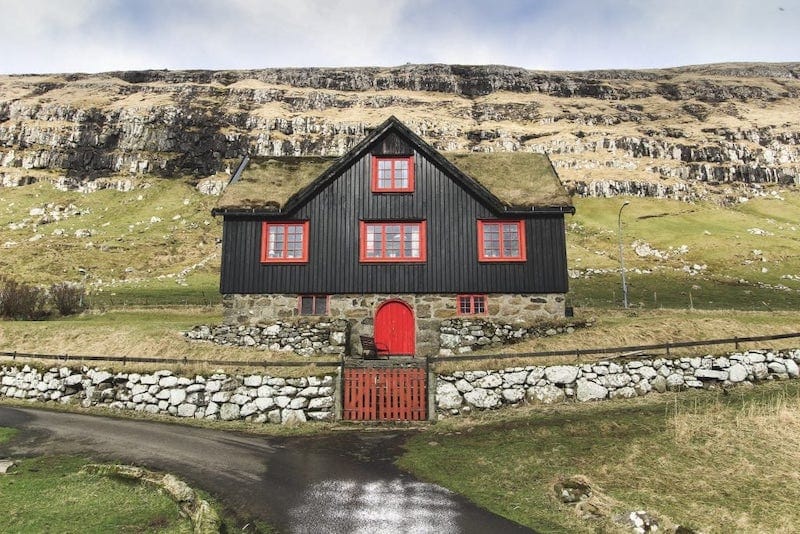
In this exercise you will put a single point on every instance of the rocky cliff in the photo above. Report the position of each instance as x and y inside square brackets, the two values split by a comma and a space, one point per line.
[686, 132]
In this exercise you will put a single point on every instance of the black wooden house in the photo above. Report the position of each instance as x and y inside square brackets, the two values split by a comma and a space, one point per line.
[395, 237]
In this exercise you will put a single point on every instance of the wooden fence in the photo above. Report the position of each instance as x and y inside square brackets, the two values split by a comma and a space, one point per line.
[626, 350]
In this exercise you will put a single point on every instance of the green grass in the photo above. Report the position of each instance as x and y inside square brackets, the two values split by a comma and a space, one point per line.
[669, 290]
[721, 463]
[138, 238]
[6, 434]
[52, 494]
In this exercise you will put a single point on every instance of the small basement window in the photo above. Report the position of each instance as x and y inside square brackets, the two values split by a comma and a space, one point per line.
[392, 175]
[313, 304]
[472, 304]
[501, 241]
[284, 242]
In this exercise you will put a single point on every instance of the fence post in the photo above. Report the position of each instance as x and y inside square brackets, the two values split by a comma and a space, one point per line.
[736, 343]
[666, 346]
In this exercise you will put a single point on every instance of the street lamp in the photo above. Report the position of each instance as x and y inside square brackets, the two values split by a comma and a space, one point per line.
[85, 274]
[621, 259]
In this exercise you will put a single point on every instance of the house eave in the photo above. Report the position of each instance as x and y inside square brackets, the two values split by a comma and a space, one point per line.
[539, 210]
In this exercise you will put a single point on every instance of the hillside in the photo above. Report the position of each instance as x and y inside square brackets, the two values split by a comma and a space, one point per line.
[722, 137]
[685, 133]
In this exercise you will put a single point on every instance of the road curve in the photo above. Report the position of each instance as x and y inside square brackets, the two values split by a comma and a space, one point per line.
[333, 484]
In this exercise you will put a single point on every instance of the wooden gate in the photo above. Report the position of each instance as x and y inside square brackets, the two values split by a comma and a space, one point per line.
[384, 394]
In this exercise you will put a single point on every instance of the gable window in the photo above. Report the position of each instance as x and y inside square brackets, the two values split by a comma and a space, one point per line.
[501, 241]
[392, 175]
[284, 242]
[392, 241]
[472, 304]
[313, 305]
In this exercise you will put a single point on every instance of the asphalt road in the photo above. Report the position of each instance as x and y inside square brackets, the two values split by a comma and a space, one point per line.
[333, 484]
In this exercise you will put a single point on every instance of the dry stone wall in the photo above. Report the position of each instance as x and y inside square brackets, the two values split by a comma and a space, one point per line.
[464, 391]
[304, 338]
[459, 336]
[257, 398]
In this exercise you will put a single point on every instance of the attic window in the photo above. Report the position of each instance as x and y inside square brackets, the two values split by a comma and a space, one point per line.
[501, 241]
[393, 241]
[392, 175]
[284, 242]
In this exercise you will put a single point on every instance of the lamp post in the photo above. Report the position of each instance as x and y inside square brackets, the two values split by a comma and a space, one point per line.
[621, 259]
[85, 274]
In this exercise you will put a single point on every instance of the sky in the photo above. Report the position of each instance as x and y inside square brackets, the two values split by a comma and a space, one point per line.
[46, 36]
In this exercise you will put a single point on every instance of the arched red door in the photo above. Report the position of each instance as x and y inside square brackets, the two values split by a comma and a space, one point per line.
[394, 328]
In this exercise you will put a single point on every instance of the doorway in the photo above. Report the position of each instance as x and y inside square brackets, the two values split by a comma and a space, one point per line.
[395, 328]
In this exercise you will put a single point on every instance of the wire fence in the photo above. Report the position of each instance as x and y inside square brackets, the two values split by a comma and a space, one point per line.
[625, 350]
[628, 350]
[67, 358]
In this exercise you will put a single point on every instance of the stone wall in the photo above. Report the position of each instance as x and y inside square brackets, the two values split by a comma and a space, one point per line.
[461, 392]
[459, 336]
[257, 398]
[359, 310]
[302, 336]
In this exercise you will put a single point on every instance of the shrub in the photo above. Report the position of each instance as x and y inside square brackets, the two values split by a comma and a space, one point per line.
[21, 301]
[68, 297]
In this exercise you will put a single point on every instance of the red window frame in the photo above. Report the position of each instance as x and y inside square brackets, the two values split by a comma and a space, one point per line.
[314, 300]
[500, 242]
[377, 187]
[285, 241]
[401, 246]
[471, 302]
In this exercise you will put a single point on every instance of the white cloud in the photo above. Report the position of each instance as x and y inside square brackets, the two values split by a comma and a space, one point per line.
[97, 35]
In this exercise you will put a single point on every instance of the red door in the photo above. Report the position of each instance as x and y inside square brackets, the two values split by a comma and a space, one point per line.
[394, 328]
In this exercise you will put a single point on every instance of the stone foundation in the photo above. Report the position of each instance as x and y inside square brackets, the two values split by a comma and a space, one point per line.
[429, 311]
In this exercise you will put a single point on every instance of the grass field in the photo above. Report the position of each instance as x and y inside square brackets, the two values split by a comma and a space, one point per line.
[714, 462]
[53, 494]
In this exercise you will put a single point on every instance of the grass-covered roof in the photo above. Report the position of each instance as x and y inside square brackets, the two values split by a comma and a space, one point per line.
[517, 179]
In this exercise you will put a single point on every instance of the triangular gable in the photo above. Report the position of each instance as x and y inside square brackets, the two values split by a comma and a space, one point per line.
[398, 140]
[520, 183]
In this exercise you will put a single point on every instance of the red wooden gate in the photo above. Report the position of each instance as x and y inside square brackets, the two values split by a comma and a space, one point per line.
[384, 394]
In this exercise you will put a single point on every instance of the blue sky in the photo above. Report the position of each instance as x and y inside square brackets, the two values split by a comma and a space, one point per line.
[101, 35]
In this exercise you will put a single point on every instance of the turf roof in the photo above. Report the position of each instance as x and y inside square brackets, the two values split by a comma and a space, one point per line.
[517, 179]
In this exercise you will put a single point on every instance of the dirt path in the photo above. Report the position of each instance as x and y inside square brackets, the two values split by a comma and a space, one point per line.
[343, 483]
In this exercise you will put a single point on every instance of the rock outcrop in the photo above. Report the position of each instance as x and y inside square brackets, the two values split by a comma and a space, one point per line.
[682, 133]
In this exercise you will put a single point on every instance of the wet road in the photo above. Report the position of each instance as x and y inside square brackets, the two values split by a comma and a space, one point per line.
[333, 484]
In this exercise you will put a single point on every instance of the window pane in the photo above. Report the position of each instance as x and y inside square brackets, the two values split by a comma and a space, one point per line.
[479, 304]
[491, 240]
[401, 174]
[392, 241]
[384, 174]
[464, 305]
[411, 248]
[306, 305]
[510, 240]
[374, 238]
[320, 305]
[275, 245]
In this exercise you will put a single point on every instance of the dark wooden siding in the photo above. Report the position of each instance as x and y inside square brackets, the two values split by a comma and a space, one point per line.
[452, 263]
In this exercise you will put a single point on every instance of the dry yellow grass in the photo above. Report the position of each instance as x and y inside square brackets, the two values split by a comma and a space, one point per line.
[618, 328]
